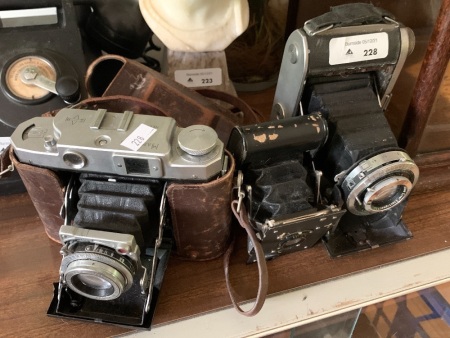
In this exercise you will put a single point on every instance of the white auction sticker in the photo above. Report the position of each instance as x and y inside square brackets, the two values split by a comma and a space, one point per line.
[4, 143]
[358, 48]
[199, 77]
[138, 137]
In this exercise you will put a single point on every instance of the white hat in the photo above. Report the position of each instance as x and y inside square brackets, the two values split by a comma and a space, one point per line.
[196, 25]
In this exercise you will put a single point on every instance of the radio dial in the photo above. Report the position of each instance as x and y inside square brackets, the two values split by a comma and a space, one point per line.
[22, 76]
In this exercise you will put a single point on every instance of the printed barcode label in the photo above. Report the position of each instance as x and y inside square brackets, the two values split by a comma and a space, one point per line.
[199, 77]
[357, 48]
[138, 137]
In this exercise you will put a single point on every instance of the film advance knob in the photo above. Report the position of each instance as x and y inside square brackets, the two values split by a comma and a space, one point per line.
[197, 140]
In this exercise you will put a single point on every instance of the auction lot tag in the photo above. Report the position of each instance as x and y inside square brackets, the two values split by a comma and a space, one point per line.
[358, 48]
[138, 137]
[199, 77]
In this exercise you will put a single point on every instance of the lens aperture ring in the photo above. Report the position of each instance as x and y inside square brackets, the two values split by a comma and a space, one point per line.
[379, 183]
[97, 272]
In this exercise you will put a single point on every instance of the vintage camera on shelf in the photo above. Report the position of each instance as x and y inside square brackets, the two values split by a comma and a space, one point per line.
[344, 65]
[115, 240]
[50, 43]
[281, 183]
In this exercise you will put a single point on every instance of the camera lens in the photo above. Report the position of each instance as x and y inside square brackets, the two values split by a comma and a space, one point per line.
[94, 282]
[97, 272]
[379, 183]
[387, 193]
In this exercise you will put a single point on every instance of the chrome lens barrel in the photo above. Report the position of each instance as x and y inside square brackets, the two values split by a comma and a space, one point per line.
[379, 183]
[97, 272]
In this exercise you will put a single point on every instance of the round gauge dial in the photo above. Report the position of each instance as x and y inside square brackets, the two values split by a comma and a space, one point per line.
[33, 66]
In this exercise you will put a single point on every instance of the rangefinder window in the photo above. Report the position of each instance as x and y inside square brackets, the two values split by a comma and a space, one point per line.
[136, 166]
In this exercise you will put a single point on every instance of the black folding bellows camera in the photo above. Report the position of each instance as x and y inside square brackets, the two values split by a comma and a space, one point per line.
[339, 70]
[282, 186]
[114, 252]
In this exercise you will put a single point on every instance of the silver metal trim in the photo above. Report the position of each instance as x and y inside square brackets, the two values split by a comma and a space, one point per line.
[98, 118]
[112, 274]
[406, 40]
[125, 121]
[273, 223]
[369, 171]
[310, 32]
[158, 241]
[292, 76]
[116, 241]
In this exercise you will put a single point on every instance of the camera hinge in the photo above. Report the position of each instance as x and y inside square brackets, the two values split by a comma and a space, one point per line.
[240, 192]
[318, 175]
[158, 241]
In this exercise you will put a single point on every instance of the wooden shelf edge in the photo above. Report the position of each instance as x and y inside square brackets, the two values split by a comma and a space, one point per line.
[434, 172]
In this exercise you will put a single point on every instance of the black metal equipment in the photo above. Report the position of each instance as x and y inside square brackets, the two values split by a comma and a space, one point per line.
[114, 253]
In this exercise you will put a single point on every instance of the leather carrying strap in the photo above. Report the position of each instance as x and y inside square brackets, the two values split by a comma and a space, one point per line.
[263, 278]
[249, 114]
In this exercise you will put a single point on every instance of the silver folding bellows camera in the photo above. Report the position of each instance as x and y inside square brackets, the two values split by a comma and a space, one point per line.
[341, 66]
[114, 250]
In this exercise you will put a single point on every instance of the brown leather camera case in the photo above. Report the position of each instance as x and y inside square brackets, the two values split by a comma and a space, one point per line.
[200, 213]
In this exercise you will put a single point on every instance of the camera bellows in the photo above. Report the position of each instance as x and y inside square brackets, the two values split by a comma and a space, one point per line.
[121, 207]
[356, 121]
[279, 189]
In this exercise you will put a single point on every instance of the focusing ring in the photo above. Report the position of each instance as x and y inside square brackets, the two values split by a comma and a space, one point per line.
[379, 183]
[97, 272]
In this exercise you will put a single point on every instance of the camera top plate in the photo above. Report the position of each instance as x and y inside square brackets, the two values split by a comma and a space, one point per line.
[345, 46]
[119, 143]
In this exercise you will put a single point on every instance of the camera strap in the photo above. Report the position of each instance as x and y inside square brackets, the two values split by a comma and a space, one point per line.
[240, 213]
